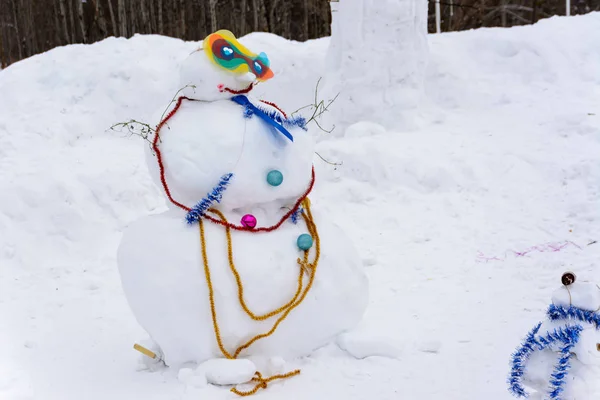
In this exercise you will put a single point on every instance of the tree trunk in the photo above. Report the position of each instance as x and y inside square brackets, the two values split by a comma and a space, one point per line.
[244, 6]
[161, 28]
[183, 29]
[272, 22]
[80, 26]
[145, 24]
[17, 33]
[255, 10]
[122, 17]
[305, 28]
[99, 20]
[212, 4]
[113, 21]
[3, 62]
[72, 25]
[34, 30]
[132, 28]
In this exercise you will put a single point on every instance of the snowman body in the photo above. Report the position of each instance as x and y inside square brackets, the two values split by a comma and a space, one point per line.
[581, 382]
[160, 258]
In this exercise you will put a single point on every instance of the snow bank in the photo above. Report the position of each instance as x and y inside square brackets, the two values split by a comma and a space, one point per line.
[503, 155]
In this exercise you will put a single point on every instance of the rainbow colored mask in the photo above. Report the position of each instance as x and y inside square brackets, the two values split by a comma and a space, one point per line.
[225, 51]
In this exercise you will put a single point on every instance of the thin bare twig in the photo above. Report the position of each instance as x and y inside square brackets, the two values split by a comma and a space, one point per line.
[329, 162]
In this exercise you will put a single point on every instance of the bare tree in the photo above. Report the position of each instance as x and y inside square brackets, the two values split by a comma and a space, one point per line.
[113, 21]
[3, 62]
[80, 26]
[212, 5]
[122, 17]
[182, 27]
[145, 14]
[161, 28]
[16, 26]
[244, 6]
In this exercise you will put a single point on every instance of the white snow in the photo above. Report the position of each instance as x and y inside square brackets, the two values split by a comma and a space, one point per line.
[503, 155]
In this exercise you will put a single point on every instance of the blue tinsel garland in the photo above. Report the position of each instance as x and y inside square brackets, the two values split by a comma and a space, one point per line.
[556, 313]
[213, 197]
[569, 336]
[296, 215]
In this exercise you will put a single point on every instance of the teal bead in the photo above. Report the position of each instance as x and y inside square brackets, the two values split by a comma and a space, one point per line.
[274, 178]
[305, 241]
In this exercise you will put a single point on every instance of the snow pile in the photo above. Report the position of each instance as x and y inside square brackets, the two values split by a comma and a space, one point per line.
[503, 155]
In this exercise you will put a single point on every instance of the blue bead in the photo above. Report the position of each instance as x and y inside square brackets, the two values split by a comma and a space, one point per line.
[274, 178]
[305, 241]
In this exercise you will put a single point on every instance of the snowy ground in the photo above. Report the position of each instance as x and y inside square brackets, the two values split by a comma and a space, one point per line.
[504, 158]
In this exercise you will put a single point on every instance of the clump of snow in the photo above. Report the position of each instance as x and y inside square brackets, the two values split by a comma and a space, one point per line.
[504, 155]
[228, 372]
[360, 346]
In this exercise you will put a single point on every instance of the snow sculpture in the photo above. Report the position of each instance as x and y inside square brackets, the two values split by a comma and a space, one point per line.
[254, 271]
[380, 45]
[560, 357]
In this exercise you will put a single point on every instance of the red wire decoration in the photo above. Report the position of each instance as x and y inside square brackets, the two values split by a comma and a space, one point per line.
[165, 186]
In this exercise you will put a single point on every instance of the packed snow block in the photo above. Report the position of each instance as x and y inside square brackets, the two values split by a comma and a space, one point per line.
[376, 62]
[579, 294]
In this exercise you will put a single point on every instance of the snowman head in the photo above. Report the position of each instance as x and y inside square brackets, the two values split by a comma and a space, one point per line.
[222, 68]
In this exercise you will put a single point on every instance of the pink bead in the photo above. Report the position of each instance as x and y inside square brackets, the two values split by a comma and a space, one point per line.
[249, 221]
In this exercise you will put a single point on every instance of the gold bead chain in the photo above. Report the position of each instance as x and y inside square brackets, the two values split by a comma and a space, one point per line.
[284, 310]
[240, 286]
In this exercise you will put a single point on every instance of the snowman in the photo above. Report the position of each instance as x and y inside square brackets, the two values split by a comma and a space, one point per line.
[240, 267]
[560, 357]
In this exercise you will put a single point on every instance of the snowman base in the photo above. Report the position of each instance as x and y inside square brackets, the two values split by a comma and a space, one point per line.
[167, 288]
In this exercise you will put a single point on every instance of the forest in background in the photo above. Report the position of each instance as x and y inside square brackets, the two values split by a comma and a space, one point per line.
[29, 27]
